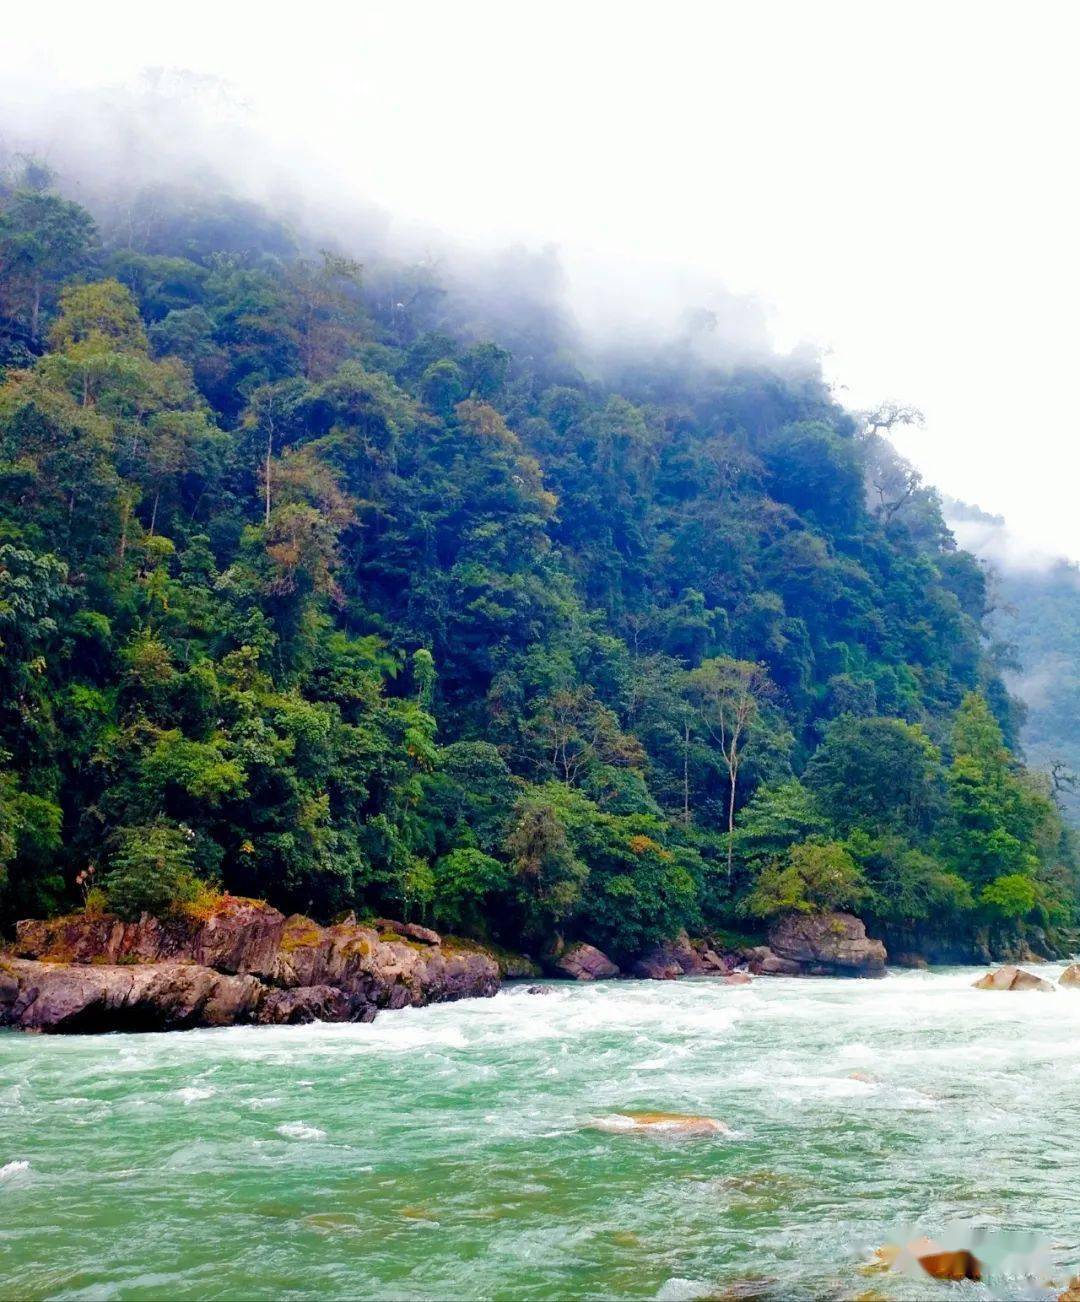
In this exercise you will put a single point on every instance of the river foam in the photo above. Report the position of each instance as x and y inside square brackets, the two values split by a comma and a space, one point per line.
[453, 1150]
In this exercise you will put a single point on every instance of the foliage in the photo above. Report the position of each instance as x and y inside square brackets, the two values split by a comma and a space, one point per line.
[366, 585]
[815, 877]
[150, 870]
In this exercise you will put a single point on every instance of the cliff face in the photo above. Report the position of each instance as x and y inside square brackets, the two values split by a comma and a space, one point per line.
[243, 963]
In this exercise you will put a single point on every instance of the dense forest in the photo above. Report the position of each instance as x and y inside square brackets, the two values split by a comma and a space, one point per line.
[326, 584]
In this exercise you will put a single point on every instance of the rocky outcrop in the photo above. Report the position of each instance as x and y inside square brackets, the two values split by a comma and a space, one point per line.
[824, 944]
[679, 957]
[1070, 977]
[984, 945]
[581, 962]
[236, 936]
[1012, 978]
[243, 962]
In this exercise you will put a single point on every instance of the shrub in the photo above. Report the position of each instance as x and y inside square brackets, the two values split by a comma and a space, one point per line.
[816, 877]
[150, 870]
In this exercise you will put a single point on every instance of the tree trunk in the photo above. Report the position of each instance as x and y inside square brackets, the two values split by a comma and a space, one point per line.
[733, 772]
[686, 772]
[269, 453]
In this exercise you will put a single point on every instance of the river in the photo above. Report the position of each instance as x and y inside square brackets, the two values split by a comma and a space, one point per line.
[452, 1151]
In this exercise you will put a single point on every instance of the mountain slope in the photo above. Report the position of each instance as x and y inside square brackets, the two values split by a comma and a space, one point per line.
[325, 585]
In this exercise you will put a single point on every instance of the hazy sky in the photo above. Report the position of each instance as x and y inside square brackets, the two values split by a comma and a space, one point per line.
[897, 181]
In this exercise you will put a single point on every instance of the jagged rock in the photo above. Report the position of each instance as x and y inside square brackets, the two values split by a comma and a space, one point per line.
[583, 962]
[1011, 977]
[712, 961]
[303, 1004]
[265, 968]
[827, 944]
[1070, 977]
[512, 966]
[238, 936]
[657, 965]
[538, 990]
[680, 956]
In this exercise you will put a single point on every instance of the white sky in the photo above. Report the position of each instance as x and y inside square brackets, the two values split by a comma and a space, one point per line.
[897, 181]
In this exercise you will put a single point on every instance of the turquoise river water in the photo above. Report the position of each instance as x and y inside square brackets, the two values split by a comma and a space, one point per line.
[454, 1151]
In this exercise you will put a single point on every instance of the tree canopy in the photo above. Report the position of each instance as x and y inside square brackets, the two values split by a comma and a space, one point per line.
[362, 597]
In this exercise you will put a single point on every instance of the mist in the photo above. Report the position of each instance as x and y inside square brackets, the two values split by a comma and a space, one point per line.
[177, 131]
[828, 183]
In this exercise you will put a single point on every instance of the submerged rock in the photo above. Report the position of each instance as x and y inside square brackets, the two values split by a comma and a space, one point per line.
[1011, 978]
[582, 962]
[243, 962]
[662, 1123]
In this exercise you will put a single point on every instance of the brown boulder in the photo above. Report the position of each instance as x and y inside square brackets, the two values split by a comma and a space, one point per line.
[677, 957]
[662, 1123]
[410, 930]
[303, 1004]
[1071, 976]
[1011, 978]
[736, 979]
[827, 944]
[153, 996]
[770, 964]
[657, 965]
[583, 962]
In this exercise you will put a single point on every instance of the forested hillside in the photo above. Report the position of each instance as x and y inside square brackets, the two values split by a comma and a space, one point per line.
[324, 585]
[1036, 615]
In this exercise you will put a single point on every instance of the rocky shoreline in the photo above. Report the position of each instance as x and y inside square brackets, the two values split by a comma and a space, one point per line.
[244, 963]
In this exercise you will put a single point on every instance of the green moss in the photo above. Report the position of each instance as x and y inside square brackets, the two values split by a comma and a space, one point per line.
[301, 936]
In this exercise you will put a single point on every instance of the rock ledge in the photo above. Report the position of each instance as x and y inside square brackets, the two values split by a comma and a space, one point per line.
[243, 963]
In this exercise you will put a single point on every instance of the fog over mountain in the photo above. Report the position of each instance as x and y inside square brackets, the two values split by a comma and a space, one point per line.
[854, 181]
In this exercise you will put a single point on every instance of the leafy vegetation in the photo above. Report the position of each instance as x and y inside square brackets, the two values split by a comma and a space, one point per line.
[321, 584]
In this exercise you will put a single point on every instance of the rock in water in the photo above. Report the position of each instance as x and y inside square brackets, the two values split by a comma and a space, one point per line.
[583, 962]
[662, 1123]
[657, 965]
[1010, 977]
[680, 956]
[930, 1257]
[1071, 976]
[824, 944]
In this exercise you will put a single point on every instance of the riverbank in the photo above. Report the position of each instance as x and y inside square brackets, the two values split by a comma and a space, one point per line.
[239, 962]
